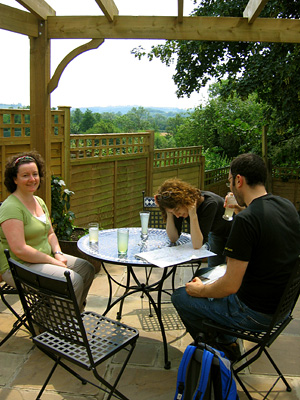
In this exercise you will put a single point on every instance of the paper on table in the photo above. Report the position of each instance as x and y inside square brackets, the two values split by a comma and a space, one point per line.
[174, 255]
[214, 274]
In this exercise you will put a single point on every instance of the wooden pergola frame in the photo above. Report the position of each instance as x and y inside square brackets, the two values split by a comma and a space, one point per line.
[41, 24]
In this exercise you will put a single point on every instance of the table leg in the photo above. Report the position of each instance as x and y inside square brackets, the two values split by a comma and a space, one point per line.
[119, 313]
[110, 289]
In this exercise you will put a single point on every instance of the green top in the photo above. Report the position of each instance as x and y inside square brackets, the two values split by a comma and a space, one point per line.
[35, 231]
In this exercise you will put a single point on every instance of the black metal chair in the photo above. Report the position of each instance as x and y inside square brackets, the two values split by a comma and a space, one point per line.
[86, 339]
[7, 290]
[263, 340]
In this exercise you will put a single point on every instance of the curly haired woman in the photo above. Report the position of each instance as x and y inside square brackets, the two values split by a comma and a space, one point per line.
[203, 211]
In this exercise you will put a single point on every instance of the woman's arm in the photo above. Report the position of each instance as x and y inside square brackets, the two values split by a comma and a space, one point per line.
[53, 241]
[13, 230]
[196, 234]
[171, 229]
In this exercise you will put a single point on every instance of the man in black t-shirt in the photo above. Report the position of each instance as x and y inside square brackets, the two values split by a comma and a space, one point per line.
[261, 250]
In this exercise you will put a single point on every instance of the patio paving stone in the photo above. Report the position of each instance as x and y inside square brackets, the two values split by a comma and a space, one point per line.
[23, 368]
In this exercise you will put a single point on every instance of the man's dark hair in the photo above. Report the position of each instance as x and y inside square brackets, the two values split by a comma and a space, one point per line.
[251, 166]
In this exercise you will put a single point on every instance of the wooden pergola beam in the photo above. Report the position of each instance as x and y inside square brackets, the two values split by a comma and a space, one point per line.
[191, 28]
[38, 7]
[180, 11]
[18, 21]
[108, 8]
[253, 9]
[93, 44]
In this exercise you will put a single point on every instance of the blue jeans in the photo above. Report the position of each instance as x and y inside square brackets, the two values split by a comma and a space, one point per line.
[228, 311]
[216, 245]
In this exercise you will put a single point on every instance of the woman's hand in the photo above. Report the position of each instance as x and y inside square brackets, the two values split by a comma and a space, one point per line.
[192, 209]
[61, 258]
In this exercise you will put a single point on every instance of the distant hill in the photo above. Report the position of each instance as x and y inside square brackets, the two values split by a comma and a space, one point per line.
[125, 109]
[19, 105]
[170, 111]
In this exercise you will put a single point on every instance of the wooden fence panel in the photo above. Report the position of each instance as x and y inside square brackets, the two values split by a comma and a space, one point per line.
[215, 181]
[15, 138]
[108, 172]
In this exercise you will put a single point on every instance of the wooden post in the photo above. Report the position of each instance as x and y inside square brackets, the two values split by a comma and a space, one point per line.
[202, 173]
[40, 117]
[268, 163]
[66, 145]
[264, 144]
[149, 188]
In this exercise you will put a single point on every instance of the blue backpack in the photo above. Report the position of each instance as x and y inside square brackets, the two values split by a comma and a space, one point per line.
[205, 374]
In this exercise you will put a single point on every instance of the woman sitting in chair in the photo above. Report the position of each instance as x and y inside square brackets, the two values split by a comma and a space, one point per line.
[203, 211]
[26, 229]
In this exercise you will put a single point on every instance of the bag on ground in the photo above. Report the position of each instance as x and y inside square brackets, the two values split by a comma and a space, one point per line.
[205, 374]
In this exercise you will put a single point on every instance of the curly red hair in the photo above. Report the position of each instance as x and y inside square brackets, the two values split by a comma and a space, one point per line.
[174, 193]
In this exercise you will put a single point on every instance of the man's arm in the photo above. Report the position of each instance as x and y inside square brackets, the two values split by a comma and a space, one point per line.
[224, 286]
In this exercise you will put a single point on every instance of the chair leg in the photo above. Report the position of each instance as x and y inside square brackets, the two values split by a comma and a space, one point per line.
[21, 319]
[16, 326]
[47, 380]
[240, 382]
[280, 375]
[112, 388]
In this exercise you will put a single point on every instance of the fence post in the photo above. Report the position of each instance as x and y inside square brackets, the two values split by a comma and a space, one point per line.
[202, 173]
[149, 183]
[65, 151]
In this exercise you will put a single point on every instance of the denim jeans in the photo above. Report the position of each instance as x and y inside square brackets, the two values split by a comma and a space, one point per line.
[228, 311]
[216, 244]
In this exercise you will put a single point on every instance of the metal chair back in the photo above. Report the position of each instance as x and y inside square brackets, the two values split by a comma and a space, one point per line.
[281, 318]
[85, 339]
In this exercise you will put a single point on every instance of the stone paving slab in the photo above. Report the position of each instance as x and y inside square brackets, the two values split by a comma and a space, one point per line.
[23, 368]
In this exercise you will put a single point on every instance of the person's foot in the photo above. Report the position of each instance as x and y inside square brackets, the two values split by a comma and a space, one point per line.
[232, 351]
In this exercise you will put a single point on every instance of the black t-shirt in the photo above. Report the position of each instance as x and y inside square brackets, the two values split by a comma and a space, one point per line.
[267, 234]
[210, 219]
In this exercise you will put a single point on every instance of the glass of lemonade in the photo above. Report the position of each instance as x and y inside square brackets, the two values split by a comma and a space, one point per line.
[93, 232]
[144, 215]
[228, 214]
[122, 239]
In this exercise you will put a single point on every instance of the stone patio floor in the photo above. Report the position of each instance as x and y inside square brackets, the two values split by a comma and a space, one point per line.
[23, 368]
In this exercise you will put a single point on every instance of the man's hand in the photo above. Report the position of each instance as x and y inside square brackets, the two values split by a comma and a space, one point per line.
[194, 287]
[236, 207]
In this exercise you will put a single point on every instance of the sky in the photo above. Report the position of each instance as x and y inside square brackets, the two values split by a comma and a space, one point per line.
[107, 76]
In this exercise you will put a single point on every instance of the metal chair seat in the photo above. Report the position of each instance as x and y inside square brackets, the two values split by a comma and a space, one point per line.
[86, 339]
[281, 318]
[104, 336]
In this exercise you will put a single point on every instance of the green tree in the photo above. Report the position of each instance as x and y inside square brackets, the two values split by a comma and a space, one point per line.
[272, 70]
[87, 121]
[76, 118]
[229, 126]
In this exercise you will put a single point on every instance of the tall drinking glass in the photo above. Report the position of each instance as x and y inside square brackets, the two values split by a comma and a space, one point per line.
[144, 215]
[122, 239]
[228, 214]
[93, 232]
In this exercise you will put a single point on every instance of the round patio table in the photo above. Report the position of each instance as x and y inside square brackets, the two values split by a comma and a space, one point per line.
[106, 251]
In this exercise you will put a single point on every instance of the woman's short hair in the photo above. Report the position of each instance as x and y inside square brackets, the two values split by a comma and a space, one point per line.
[13, 163]
[174, 193]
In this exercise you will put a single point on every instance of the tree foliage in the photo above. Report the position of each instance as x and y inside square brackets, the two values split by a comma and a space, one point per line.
[271, 70]
[229, 126]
